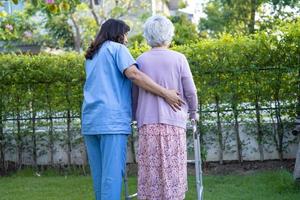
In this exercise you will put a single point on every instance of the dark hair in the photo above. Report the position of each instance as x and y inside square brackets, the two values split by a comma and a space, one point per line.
[113, 30]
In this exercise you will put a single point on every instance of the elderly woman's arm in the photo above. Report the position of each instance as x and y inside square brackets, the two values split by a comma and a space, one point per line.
[189, 89]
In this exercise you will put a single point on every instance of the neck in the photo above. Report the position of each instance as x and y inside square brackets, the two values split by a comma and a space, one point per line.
[161, 47]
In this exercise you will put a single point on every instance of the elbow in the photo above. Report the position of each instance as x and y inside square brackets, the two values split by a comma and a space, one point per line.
[132, 73]
[192, 99]
[135, 76]
[191, 95]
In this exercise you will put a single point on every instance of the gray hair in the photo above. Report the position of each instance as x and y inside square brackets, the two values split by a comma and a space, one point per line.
[158, 31]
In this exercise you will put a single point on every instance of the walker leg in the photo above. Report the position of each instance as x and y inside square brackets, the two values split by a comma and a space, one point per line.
[126, 186]
[198, 169]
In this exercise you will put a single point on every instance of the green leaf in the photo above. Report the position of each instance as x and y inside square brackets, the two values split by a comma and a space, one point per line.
[53, 8]
[3, 14]
[34, 2]
[15, 1]
[63, 6]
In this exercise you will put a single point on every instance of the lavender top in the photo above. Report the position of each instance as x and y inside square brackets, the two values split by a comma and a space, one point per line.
[171, 70]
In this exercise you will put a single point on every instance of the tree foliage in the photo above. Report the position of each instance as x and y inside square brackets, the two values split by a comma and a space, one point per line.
[185, 30]
[73, 24]
[237, 16]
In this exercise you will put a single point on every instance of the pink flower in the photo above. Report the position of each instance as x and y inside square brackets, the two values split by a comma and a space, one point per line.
[9, 27]
[50, 1]
[28, 34]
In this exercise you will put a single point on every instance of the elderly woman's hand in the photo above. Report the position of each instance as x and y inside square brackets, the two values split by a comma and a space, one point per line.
[194, 116]
[173, 99]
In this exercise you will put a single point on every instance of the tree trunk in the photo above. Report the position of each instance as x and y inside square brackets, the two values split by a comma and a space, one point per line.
[92, 8]
[33, 136]
[50, 133]
[252, 17]
[280, 129]
[298, 92]
[237, 133]
[201, 131]
[2, 139]
[219, 130]
[34, 145]
[275, 129]
[2, 147]
[259, 130]
[69, 139]
[77, 35]
[19, 136]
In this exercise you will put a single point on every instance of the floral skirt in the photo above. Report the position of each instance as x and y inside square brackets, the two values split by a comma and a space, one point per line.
[162, 162]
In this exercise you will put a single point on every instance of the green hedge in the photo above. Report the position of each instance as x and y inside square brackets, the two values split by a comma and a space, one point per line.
[247, 79]
[243, 74]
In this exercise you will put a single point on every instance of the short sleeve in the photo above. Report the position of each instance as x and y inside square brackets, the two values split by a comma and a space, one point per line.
[124, 59]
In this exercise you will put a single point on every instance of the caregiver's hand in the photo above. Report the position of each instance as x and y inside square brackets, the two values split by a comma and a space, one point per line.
[145, 82]
[173, 99]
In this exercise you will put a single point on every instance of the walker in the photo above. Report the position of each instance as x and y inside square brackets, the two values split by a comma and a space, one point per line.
[198, 167]
[199, 184]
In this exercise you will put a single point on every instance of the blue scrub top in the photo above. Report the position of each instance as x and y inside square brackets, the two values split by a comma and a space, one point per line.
[106, 106]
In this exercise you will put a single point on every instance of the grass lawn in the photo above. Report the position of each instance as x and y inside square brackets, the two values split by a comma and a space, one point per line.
[271, 185]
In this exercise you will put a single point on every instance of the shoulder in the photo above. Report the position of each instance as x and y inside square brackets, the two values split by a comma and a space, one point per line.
[181, 58]
[115, 45]
[117, 49]
[177, 54]
[143, 56]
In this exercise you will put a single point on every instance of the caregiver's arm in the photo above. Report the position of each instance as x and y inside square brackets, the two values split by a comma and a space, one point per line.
[135, 95]
[143, 81]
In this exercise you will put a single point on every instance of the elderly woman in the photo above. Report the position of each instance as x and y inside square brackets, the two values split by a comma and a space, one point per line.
[162, 170]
